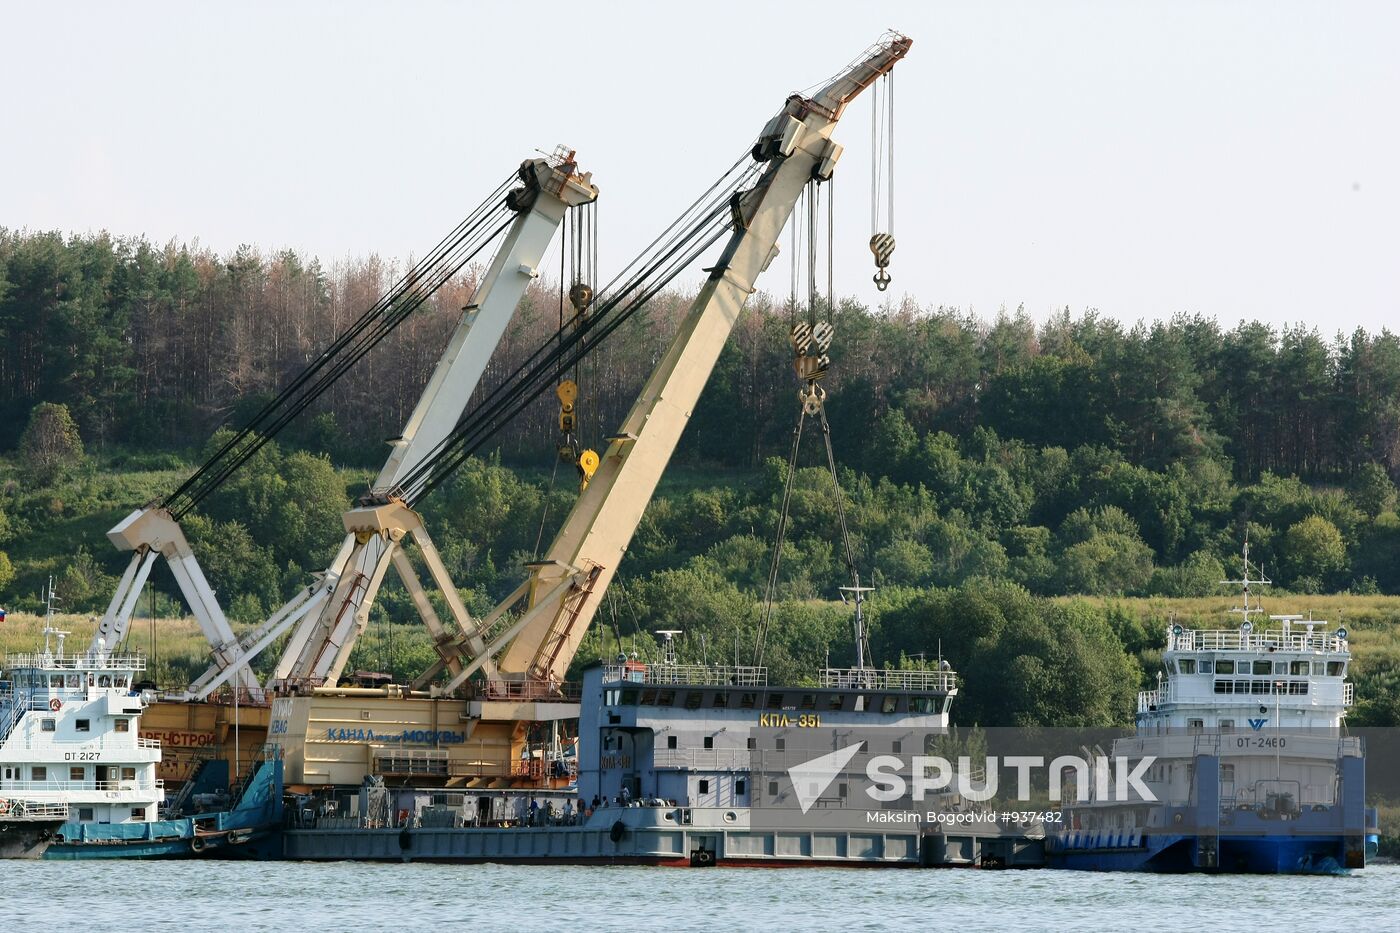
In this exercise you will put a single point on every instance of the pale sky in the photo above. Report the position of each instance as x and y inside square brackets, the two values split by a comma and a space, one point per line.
[1237, 159]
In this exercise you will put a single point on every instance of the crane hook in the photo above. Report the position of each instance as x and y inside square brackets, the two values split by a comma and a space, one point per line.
[882, 245]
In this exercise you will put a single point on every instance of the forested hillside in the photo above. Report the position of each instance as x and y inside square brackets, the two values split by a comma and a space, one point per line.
[992, 466]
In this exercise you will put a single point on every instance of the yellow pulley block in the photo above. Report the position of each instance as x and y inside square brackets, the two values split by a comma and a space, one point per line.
[587, 466]
[568, 393]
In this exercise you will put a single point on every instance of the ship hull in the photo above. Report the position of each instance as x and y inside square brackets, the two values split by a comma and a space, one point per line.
[1232, 854]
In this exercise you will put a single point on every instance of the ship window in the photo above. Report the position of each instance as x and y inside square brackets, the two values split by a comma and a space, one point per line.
[748, 700]
[693, 699]
[860, 703]
[1280, 667]
[740, 787]
[835, 701]
[772, 788]
[841, 789]
[896, 746]
[753, 743]
[1186, 666]
[1195, 725]
[55, 680]
[48, 725]
[704, 786]
[709, 741]
[1336, 668]
[629, 697]
[1263, 668]
[1298, 687]
[1318, 668]
[82, 725]
[1259, 686]
[721, 700]
[138, 813]
[85, 814]
[128, 774]
[775, 701]
[809, 701]
[1224, 667]
[670, 741]
[104, 681]
[1227, 725]
[123, 725]
[780, 744]
[1227, 774]
[1222, 686]
[649, 697]
[923, 705]
[1241, 686]
[39, 773]
[889, 704]
[666, 698]
[1298, 668]
[1207, 666]
[75, 773]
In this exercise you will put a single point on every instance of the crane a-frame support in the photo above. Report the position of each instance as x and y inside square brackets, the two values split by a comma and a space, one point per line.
[342, 593]
[565, 589]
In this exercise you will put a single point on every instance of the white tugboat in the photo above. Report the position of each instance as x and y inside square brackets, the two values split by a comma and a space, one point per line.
[76, 778]
[1252, 770]
[70, 748]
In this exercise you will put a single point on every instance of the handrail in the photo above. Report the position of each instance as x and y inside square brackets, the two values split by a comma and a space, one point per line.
[1235, 640]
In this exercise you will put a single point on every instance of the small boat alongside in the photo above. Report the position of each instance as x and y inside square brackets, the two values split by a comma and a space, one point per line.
[78, 781]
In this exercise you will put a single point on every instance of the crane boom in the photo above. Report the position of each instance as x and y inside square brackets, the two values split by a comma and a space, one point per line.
[549, 187]
[319, 647]
[564, 589]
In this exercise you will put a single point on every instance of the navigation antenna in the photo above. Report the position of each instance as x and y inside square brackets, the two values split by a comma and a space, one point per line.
[1244, 583]
[668, 645]
[862, 641]
[49, 599]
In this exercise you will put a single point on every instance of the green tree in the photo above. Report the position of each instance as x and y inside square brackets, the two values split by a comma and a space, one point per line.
[1371, 489]
[50, 445]
[1313, 550]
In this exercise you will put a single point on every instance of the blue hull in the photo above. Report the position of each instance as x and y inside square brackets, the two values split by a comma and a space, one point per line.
[1267, 855]
[251, 830]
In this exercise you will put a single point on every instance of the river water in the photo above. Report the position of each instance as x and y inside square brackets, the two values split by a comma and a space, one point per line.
[295, 896]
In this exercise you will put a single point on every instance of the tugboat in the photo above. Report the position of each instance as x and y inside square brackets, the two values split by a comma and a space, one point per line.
[78, 781]
[1250, 769]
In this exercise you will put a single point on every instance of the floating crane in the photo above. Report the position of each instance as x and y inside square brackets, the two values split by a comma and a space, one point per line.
[526, 209]
[467, 719]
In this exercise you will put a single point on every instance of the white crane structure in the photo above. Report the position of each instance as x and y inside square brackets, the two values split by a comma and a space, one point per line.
[336, 602]
[531, 637]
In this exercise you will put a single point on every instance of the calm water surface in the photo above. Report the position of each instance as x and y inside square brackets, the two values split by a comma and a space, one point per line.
[289, 896]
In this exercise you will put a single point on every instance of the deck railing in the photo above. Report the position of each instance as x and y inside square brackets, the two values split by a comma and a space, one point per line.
[76, 662]
[869, 678]
[698, 675]
[1235, 640]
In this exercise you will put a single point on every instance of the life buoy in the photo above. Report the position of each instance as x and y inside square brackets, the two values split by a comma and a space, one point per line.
[55, 704]
[4, 806]
[197, 844]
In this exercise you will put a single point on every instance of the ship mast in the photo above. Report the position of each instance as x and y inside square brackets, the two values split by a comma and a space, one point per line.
[1244, 583]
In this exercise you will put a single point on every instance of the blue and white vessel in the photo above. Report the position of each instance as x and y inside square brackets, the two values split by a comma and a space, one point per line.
[1245, 757]
[78, 781]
